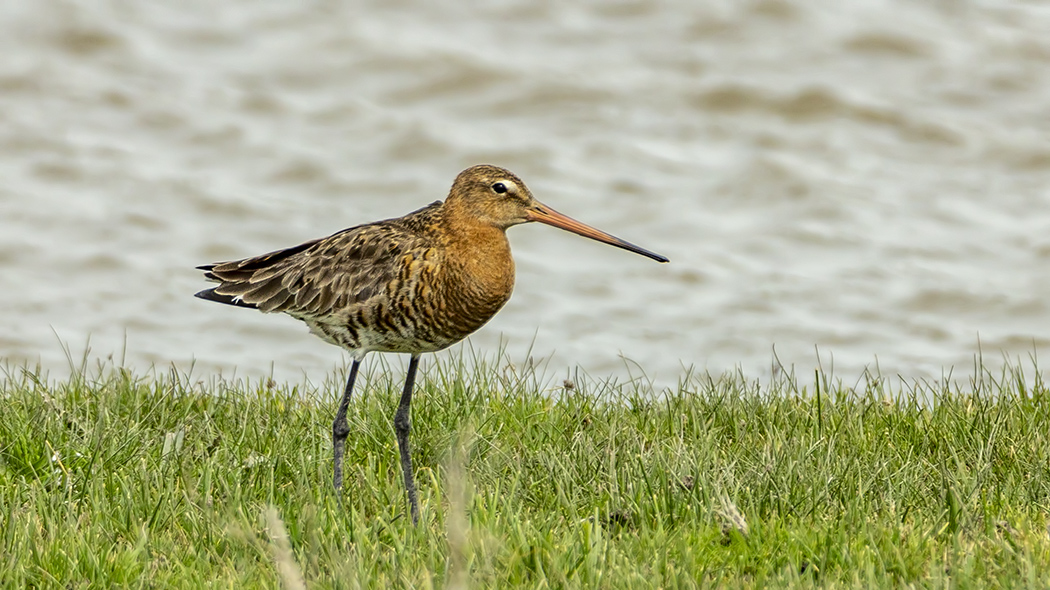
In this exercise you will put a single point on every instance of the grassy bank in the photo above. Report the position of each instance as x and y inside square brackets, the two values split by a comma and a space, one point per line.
[110, 479]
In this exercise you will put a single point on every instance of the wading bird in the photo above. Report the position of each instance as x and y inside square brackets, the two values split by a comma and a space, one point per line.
[413, 284]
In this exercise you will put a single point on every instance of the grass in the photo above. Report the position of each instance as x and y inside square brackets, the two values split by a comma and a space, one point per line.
[110, 479]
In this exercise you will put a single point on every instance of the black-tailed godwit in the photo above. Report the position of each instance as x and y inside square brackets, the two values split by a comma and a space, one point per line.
[413, 284]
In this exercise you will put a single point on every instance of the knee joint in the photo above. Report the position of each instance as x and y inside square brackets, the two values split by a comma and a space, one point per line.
[340, 430]
[402, 422]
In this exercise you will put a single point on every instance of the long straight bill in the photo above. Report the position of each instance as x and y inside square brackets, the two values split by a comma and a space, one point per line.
[545, 214]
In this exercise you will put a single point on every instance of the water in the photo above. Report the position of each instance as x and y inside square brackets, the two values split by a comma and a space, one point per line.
[869, 180]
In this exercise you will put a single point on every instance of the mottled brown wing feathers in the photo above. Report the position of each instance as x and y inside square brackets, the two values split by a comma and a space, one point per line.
[318, 277]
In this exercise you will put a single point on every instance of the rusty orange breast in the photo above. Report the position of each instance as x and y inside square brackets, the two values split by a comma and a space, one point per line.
[478, 276]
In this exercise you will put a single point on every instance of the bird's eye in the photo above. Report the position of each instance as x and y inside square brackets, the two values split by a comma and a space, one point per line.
[499, 187]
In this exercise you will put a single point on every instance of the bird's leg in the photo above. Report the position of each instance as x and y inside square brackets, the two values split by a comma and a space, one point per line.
[403, 425]
[340, 429]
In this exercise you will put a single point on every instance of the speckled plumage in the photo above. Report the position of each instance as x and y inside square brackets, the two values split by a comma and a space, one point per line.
[388, 286]
[412, 284]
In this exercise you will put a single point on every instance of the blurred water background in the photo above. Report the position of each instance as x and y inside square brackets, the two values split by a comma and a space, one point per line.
[867, 179]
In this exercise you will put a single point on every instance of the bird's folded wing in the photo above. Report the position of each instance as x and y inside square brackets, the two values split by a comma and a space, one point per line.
[317, 278]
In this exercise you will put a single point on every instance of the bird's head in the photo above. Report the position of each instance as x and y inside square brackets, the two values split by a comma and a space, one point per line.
[497, 197]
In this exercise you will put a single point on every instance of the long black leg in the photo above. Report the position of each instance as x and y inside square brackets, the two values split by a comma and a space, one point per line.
[403, 425]
[340, 429]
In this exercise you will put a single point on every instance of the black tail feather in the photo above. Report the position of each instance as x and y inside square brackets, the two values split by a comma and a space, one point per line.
[211, 295]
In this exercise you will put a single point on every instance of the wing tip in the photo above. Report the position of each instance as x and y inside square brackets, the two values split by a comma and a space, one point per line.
[211, 295]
